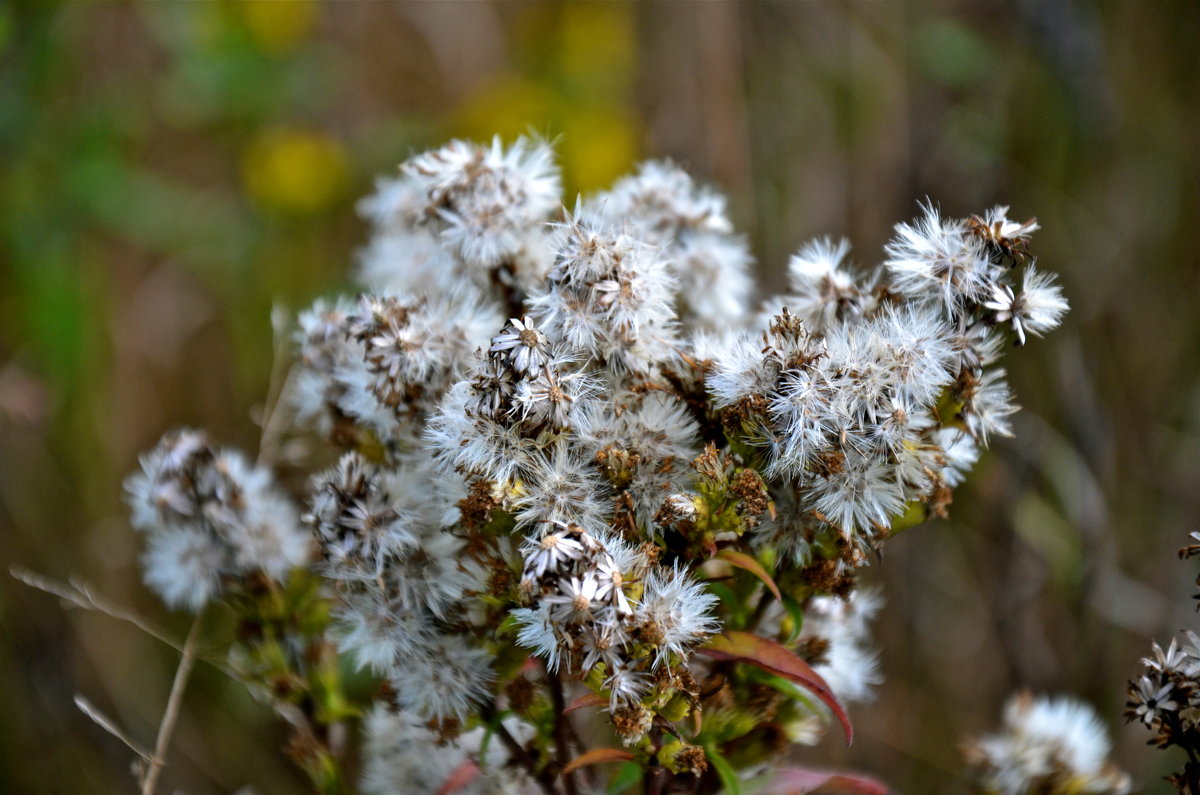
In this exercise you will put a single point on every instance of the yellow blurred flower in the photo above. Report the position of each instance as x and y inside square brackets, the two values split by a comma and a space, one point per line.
[596, 148]
[507, 107]
[296, 171]
[279, 27]
[597, 46]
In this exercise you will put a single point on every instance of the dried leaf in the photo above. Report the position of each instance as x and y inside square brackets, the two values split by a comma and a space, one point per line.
[747, 563]
[463, 775]
[797, 781]
[778, 659]
[589, 700]
[110, 726]
[598, 756]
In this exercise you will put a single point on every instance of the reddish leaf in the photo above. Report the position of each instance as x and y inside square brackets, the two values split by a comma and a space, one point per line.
[463, 775]
[797, 781]
[773, 657]
[597, 756]
[589, 700]
[744, 561]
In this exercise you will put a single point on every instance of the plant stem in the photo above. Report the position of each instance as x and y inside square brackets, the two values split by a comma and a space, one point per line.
[760, 610]
[171, 714]
[560, 731]
[518, 753]
[654, 776]
[655, 780]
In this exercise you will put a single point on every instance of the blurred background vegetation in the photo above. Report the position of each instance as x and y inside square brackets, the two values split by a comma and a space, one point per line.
[169, 171]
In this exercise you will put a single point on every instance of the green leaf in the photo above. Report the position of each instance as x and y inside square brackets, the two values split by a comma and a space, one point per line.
[796, 613]
[627, 776]
[725, 772]
[785, 686]
[492, 725]
[730, 600]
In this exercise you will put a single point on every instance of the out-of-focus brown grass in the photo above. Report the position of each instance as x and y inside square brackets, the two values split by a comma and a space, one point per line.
[169, 171]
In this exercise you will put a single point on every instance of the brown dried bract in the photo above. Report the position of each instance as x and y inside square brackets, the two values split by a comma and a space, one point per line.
[520, 692]
[708, 464]
[445, 729]
[617, 464]
[692, 759]
[477, 507]
[748, 486]
[814, 651]
[736, 418]
[825, 576]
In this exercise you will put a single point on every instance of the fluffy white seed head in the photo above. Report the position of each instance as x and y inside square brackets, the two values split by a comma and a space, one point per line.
[209, 514]
[1046, 742]
[938, 260]
[850, 665]
[664, 207]
[449, 679]
[609, 296]
[675, 613]
[822, 289]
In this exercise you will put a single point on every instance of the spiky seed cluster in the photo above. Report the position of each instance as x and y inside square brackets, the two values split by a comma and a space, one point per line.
[842, 629]
[535, 406]
[844, 418]
[399, 580]
[582, 616]
[824, 290]
[1052, 745]
[611, 297]
[965, 266]
[413, 349]
[1165, 698]
[209, 516]
[383, 364]
[403, 755]
[872, 394]
[358, 522]
[470, 214]
[643, 446]
[663, 207]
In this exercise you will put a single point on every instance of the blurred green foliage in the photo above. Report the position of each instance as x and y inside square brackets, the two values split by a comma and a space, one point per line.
[170, 171]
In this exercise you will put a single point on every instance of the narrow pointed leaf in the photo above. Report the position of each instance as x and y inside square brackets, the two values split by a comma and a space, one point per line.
[627, 776]
[728, 598]
[796, 613]
[598, 756]
[797, 781]
[730, 784]
[747, 563]
[463, 775]
[589, 700]
[778, 659]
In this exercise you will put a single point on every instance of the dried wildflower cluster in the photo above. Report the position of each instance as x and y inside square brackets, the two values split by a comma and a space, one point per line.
[1056, 746]
[210, 518]
[580, 468]
[1166, 697]
[586, 623]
